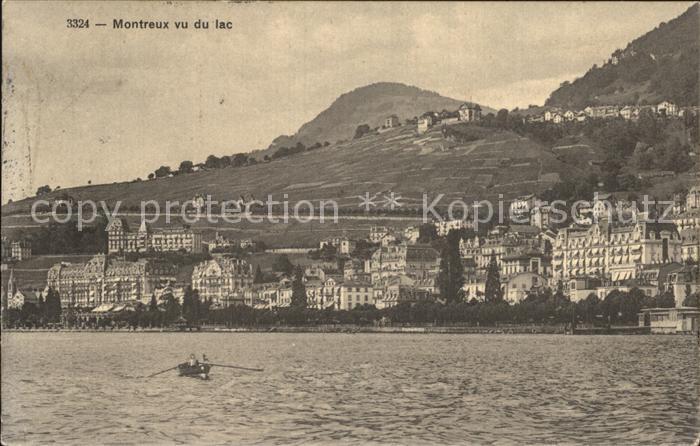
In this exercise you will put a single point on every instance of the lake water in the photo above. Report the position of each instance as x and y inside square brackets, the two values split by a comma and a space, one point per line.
[81, 388]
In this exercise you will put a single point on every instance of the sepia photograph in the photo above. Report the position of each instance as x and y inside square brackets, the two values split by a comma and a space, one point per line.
[350, 223]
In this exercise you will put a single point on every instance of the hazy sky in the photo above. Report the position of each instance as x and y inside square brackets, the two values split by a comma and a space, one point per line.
[104, 105]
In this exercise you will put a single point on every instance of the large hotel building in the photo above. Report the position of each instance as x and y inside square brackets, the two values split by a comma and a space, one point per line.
[122, 240]
[613, 251]
[107, 280]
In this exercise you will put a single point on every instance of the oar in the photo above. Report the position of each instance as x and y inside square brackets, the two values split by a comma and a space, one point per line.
[235, 367]
[162, 371]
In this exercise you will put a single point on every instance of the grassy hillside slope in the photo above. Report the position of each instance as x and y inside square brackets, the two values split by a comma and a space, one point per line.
[499, 162]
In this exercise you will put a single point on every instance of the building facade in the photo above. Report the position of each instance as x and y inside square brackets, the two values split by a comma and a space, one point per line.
[612, 251]
[221, 280]
[103, 280]
[121, 239]
[469, 112]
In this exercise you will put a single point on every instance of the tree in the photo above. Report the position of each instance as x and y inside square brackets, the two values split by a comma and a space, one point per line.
[42, 190]
[259, 278]
[191, 305]
[361, 131]
[186, 167]
[502, 118]
[153, 305]
[451, 275]
[151, 176]
[666, 300]
[298, 289]
[559, 298]
[427, 233]
[239, 159]
[492, 291]
[692, 300]
[52, 306]
[162, 171]
[212, 162]
[282, 264]
[172, 309]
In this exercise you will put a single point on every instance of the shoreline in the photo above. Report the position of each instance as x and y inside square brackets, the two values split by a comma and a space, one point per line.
[526, 329]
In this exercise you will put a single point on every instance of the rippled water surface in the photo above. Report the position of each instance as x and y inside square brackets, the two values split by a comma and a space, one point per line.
[81, 388]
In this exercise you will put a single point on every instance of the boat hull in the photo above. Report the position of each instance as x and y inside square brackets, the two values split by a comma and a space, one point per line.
[200, 371]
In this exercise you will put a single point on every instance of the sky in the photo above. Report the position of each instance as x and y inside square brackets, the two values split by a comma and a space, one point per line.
[101, 105]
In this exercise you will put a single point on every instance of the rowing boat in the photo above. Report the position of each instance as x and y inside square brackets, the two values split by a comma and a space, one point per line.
[199, 370]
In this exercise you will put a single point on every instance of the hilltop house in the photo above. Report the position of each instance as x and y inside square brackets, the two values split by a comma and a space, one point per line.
[469, 112]
[391, 122]
[628, 112]
[666, 108]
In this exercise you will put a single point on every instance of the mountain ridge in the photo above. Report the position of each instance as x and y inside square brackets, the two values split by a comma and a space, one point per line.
[662, 64]
[369, 104]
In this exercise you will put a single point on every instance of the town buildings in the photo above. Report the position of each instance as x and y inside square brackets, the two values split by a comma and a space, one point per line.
[15, 250]
[628, 112]
[528, 261]
[419, 262]
[222, 280]
[541, 216]
[394, 290]
[343, 245]
[521, 207]
[692, 200]
[104, 279]
[122, 240]
[354, 294]
[667, 108]
[518, 286]
[614, 251]
[501, 241]
[377, 233]
[469, 112]
[443, 227]
[670, 320]
[324, 293]
[15, 298]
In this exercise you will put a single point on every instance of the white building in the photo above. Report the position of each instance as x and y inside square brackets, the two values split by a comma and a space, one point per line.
[614, 251]
[667, 108]
[518, 286]
[354, 294]
[221, 279]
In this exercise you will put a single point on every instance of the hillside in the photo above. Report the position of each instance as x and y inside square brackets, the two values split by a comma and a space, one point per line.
[660, 65]
[370, 105]
[483, 163]
[493, 162]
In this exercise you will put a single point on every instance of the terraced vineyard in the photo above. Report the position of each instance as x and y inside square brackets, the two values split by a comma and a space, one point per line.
[396, 161]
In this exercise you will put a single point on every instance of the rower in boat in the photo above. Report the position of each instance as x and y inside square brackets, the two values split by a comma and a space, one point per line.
[194, 369]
